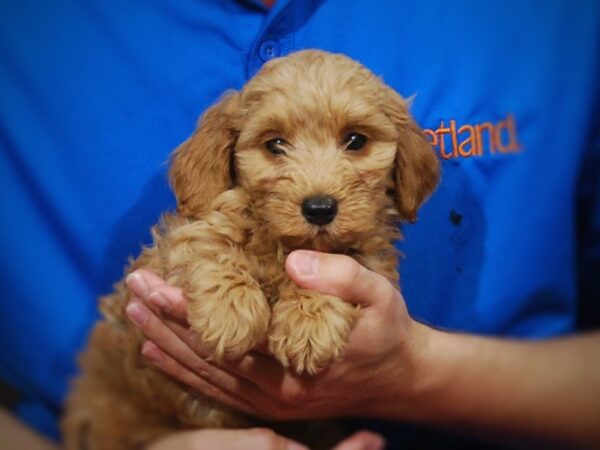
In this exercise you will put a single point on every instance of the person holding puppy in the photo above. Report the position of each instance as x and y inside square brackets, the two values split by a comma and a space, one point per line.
[506, 248]
[395, 368]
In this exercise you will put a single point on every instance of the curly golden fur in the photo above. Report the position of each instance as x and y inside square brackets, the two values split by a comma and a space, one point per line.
[239, 215]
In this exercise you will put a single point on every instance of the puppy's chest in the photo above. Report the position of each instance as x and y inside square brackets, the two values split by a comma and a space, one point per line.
[268, 269]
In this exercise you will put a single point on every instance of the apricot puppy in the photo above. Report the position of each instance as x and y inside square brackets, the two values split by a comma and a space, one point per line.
[315, 152]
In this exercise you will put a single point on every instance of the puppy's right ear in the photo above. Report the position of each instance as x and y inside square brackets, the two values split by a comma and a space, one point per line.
[202, 167]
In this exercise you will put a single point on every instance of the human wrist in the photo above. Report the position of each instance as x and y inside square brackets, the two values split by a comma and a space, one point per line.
[407, 384]
[423, 381]
[437, 369]
[454, 370]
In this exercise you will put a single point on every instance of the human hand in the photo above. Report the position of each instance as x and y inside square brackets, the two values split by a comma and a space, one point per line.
[377, 377]
[254, 439]
[393, 367]
[209, 439]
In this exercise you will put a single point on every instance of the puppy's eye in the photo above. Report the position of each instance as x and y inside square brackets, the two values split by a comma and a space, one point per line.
[355, 141]
[276, 146]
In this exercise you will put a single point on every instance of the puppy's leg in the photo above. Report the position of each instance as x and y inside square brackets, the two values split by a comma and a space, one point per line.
[227, 308]
[100, 420]
[309, 330]
[104, 410]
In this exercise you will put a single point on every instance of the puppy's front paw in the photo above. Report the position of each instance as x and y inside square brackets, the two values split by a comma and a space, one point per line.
[231, 321]
[310, 331]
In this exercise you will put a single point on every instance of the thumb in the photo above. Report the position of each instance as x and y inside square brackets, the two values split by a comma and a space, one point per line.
[338, 275]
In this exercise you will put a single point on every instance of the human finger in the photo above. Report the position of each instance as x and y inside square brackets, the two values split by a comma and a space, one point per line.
[162, 336]
[257, 367]
[231, 439]
[140, 281]
[154, 329]
[233, 391]
[149, 287]
[338, 275]
[362, 440]
[183, 374]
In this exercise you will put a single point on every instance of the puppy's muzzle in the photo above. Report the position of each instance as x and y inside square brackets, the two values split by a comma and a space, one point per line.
[319, 210]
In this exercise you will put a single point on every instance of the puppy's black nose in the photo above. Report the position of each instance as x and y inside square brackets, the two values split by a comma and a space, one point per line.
[319, 210]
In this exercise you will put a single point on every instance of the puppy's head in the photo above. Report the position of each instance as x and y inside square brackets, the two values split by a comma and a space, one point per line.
[327, 152]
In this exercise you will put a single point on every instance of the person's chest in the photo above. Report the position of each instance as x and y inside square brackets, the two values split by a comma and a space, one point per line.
[102, 96]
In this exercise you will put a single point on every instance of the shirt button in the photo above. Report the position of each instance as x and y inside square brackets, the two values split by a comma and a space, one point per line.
[268, 50]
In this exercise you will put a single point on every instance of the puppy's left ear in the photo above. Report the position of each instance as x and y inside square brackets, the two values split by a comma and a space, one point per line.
[202, 167]
[417, 169]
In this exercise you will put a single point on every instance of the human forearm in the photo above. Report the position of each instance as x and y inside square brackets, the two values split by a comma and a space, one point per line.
[15, 435]
[548, 390]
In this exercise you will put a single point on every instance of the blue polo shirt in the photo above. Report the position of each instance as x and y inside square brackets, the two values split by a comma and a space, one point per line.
[94, 95]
